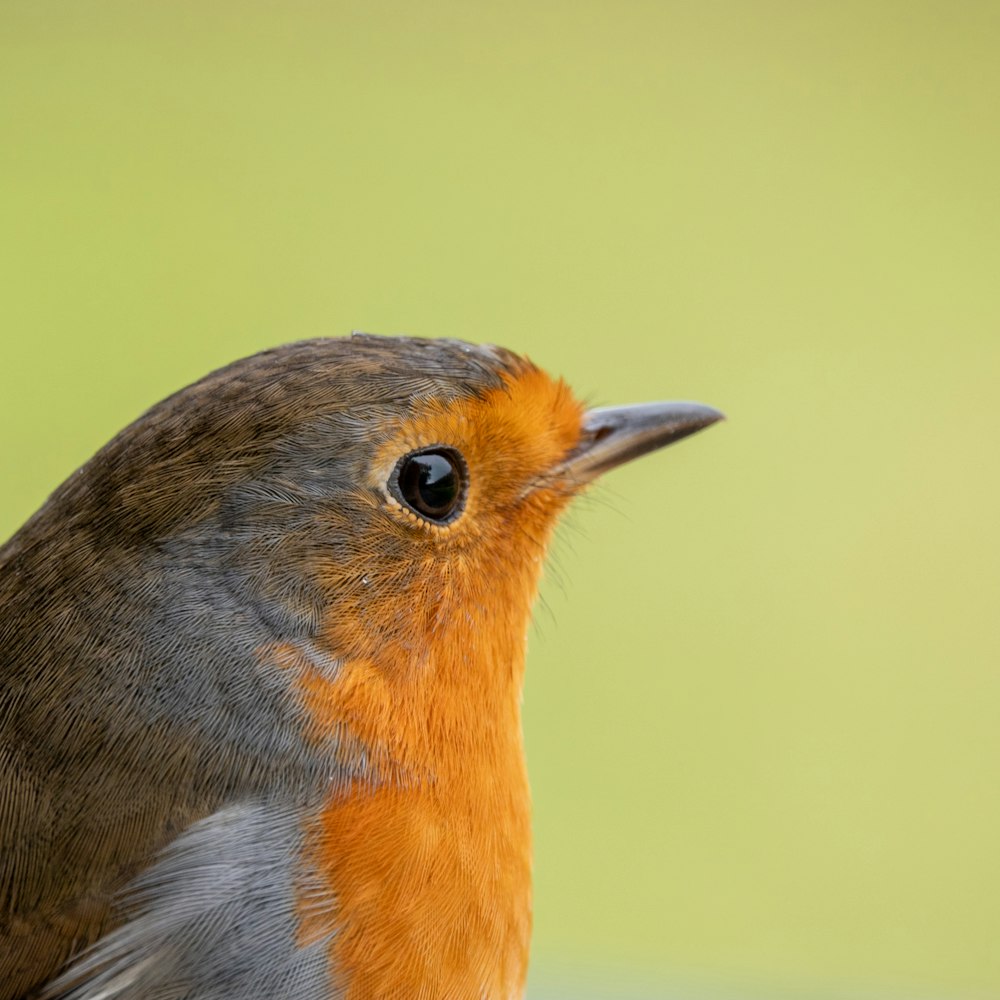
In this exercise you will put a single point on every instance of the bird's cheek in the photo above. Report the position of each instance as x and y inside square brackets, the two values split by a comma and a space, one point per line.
[383, 614]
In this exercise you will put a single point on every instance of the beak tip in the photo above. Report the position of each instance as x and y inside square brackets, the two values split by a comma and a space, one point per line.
[710, 415]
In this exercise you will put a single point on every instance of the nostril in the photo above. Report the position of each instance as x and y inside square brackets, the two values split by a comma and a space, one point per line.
[601, 433]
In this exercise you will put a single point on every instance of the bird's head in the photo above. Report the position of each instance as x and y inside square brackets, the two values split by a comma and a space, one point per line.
[383, 499]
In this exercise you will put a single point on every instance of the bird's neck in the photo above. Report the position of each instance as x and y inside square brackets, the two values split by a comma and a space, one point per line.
[430, 864]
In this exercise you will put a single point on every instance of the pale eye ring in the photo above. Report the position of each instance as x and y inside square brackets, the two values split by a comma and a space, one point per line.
[432, 482]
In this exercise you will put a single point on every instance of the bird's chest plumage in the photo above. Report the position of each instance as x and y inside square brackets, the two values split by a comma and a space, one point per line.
[425, 873]
[432, 897]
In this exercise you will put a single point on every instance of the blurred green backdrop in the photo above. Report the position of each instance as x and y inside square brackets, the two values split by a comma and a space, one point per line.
[764, 691]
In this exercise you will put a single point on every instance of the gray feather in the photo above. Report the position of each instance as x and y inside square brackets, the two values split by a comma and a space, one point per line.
[214, 917]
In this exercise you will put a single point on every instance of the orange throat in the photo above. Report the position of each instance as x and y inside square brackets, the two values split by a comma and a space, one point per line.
[429, 865]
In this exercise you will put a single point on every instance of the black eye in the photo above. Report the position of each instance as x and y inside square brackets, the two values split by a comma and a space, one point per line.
[432, 483]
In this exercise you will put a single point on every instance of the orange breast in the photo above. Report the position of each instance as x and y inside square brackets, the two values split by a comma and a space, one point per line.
[430, 867]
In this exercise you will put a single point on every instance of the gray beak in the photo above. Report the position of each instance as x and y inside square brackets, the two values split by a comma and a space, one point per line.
[613, 435]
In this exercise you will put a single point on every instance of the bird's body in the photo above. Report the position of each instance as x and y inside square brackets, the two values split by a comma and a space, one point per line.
[260, 676]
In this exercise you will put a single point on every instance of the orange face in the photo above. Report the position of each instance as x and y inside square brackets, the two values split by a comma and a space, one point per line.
[426, 579]
[430, 865]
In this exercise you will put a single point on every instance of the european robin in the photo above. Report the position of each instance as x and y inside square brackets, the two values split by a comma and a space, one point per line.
[262, 656]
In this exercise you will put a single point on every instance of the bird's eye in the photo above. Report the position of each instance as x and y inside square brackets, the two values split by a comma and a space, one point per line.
[431, 483]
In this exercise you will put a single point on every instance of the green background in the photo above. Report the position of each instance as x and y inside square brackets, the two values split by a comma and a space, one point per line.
[764, 687]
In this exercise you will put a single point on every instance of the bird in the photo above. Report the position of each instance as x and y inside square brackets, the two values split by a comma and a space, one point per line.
[261, 665]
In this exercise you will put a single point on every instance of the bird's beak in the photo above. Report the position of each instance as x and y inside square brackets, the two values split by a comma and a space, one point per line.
[613, 435]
